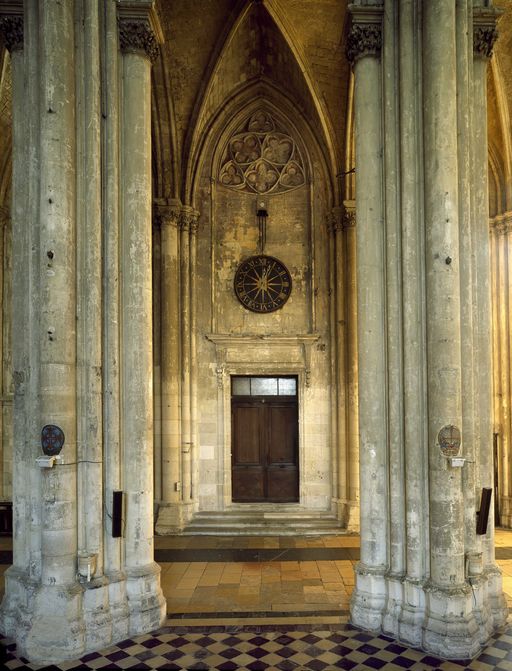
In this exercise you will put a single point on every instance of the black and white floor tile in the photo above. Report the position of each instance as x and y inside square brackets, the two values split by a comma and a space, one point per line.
[266, 647]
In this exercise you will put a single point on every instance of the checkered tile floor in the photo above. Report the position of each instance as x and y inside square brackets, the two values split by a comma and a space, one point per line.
[280, 647]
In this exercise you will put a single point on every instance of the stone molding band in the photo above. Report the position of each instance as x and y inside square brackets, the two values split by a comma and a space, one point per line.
[138, 37]
[11, 29]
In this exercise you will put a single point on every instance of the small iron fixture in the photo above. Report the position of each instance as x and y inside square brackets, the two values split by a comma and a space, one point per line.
[262, 214]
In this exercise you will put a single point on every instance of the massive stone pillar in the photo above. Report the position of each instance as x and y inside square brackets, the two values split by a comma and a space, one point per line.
[81, 338]
[146, 604]
[425, 576]
[42, 607]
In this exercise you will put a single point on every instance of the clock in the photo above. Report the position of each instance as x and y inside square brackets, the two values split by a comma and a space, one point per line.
[262, 283]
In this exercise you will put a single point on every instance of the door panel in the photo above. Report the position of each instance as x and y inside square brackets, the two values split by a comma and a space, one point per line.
[248, 470]
[247, 425]
[265, 450]
[282, 433]
[282, 472]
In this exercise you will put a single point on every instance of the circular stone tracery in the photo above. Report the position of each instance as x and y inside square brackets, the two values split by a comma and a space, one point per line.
[261, 157]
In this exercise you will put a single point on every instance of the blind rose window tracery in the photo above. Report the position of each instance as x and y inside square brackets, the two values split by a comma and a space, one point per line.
[261, 157]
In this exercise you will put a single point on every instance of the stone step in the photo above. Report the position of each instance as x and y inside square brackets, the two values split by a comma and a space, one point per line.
[257, 523]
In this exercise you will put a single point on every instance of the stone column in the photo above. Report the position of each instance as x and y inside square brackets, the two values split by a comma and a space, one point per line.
[89, 308]
[502, 226]
[349, 228]
[139, 45]
[364, 46]
[339, 321]
[194, 440]
[186, 438]
[169, 513]
[447, 592]
[24, 135]
[7, 382]
[484, 35]
[413, 316]
[42, 605]
[4, 218]
[111, 321]
[393, 317]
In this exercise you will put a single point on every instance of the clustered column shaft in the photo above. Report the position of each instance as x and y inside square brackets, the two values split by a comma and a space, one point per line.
[83, 258]
[424, 581]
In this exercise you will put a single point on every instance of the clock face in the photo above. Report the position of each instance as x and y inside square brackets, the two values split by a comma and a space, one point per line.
[262, 283]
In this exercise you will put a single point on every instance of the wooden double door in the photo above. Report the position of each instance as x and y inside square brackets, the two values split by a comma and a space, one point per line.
[264, 462]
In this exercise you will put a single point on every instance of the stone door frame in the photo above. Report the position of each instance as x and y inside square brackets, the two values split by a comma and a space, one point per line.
[247, 355]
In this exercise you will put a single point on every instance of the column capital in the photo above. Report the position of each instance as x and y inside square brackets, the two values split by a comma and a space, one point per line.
[189, 219]
[168, 215]
[502, 224]
[485, 32]
[365, 35]
[11, 28]
[139, 28]
[335, 220]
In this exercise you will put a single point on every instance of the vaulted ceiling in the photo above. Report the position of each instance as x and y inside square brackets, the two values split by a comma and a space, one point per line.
[215, 50]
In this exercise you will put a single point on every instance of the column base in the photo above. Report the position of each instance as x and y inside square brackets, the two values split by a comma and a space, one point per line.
[394, 602]
[496, 598]
[450, 629]
[412, 612]
[46, 621]
[369, 598]
[51, 623]
[506, 512]
[173, 517]
[347, 513]
[118, 605]
[453, 623]
[97, 614]
[146, 603]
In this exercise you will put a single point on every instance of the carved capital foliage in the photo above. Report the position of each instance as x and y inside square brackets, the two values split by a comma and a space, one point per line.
[364, 39]
[167, 217]
[138, 37]
[335, 220]
[189, 220]
[502, 224]
[349, 218]
[484, 38]
[340, 219]
[11, 29]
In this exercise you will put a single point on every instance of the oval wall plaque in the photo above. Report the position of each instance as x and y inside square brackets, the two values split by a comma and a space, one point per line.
[449, 440]
[52, 439]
